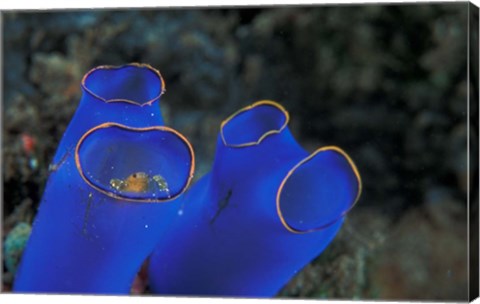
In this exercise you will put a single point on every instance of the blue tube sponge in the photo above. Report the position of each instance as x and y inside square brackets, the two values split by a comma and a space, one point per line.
[264, 211]
[110, 196]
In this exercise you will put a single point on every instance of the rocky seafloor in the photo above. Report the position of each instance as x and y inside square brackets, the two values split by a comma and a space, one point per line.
[387, 83]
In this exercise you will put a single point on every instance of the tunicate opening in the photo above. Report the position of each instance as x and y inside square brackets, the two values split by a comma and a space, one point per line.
[318, 191]
[252, 124]
[151, 164]
[133, 83]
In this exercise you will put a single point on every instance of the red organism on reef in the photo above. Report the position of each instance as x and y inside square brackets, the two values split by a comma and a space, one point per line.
[28, 143]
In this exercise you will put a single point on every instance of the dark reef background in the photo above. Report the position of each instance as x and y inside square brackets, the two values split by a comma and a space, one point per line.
[387, 83]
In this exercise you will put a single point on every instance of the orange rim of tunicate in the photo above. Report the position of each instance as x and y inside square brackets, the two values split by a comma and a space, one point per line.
[263, 136]
[308, 158]
[116, 196]
[117, 67]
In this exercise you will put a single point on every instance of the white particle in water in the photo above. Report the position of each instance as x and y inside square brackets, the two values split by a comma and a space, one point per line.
[33, 163]
[146, 226]
[152, 114]
[180, 212]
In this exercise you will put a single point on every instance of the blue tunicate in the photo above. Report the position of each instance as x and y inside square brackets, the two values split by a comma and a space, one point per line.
[126, 94]
[115, 173]
[264, 211]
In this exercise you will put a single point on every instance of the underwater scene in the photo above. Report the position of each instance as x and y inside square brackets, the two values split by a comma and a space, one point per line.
[315, 152]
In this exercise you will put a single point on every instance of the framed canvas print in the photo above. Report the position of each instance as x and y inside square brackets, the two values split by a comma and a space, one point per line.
[298, 151]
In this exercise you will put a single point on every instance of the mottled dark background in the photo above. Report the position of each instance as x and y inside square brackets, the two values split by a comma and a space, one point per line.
[387, 83]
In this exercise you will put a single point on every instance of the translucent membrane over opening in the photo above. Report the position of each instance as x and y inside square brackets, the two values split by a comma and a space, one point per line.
[137, 164]
[318, 191]
[135, 83]
[252, 124]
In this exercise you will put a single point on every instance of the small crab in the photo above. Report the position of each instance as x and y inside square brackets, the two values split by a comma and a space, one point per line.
[140, 182]
[136, 182]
